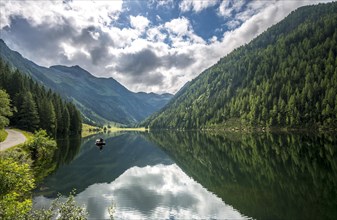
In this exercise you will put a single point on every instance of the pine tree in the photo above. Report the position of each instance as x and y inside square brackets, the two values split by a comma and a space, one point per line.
[47, 116]
[28, 117]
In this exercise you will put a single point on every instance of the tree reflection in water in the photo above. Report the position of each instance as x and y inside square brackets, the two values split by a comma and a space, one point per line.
[263, 175]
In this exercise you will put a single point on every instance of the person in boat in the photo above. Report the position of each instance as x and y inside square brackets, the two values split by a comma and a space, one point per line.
[100, 141]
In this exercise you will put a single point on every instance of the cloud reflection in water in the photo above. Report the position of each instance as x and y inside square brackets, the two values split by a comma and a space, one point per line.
[153, 192]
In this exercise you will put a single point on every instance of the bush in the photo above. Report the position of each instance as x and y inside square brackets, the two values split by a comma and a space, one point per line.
[16, 183]
[3, 135]
[67, 210]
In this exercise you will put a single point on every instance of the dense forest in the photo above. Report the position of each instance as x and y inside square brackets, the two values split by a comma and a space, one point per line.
[286, 77]
[34, 107]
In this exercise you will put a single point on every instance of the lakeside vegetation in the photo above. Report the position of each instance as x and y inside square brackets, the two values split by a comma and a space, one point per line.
[27, 105]
[21, 169]
[3, 135]
[88, 130]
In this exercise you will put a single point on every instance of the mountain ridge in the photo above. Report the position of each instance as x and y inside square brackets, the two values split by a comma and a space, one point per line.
[100, 100]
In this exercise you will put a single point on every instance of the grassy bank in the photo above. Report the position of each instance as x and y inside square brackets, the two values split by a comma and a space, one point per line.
[3, 135]
[88, 130]
[127, 129]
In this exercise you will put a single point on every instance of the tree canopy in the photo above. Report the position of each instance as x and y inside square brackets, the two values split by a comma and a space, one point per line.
[5, 110]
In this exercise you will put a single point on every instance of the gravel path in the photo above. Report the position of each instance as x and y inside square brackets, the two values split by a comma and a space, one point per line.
[13, 138]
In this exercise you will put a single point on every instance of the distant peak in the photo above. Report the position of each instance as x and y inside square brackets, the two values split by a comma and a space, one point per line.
[74, 70]
[77, 67]
[66, 67]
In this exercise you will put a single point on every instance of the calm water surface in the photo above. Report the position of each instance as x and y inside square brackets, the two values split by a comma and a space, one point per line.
[194, 175]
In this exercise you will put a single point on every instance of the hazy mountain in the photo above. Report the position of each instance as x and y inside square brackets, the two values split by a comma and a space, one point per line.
[286, 77]
[155, 100]
[101, 100]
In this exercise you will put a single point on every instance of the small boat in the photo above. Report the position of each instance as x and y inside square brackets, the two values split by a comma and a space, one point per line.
[100, 142]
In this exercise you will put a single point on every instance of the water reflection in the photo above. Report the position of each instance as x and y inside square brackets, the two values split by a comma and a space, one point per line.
[121, 152]
[202, 175]
[153, 192]
[67, 149]
[266, 176]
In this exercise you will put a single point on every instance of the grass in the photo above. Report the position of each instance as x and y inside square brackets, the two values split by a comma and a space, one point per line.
[3, 135]
[126, 129]
[88, 130]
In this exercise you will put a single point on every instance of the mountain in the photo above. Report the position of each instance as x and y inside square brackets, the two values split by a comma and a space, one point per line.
[153, 99]
[101, 100]
[286, 77]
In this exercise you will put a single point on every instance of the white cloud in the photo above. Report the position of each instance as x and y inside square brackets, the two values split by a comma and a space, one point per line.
[139, 22]
[179, 26]
[81, 13]
[228, 7]
[196, 6]
[181, 33]
[232, 24]
[155, 34]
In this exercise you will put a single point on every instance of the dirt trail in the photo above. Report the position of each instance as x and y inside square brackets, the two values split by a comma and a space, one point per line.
[13, 138]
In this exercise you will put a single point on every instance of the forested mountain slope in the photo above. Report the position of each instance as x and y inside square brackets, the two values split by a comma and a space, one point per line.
[286, 77]
[34, 107]
[100, 100]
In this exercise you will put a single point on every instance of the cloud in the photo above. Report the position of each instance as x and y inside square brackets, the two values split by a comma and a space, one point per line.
[179, 26]
[83, 13]
[181, 33]
[168, 4]
[139, 22]
[158, 55]
[137, 63]
[152, 192]
[196, 6]
[229, 7]
[146, 66]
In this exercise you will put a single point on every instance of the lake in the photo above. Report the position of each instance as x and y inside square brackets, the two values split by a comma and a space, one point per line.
[198, 175]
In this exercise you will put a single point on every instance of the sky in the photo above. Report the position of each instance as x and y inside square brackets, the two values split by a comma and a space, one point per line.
[146, 45]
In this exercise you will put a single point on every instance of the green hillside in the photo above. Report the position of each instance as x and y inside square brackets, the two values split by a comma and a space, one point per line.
[286, 77]
[100, 100]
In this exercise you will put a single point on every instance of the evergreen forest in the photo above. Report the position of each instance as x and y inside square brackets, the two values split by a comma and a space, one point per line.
[34, 107]
[284, 78]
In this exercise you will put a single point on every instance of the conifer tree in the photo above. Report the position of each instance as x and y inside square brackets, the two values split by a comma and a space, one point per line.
[47, 116]
[28, 117]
